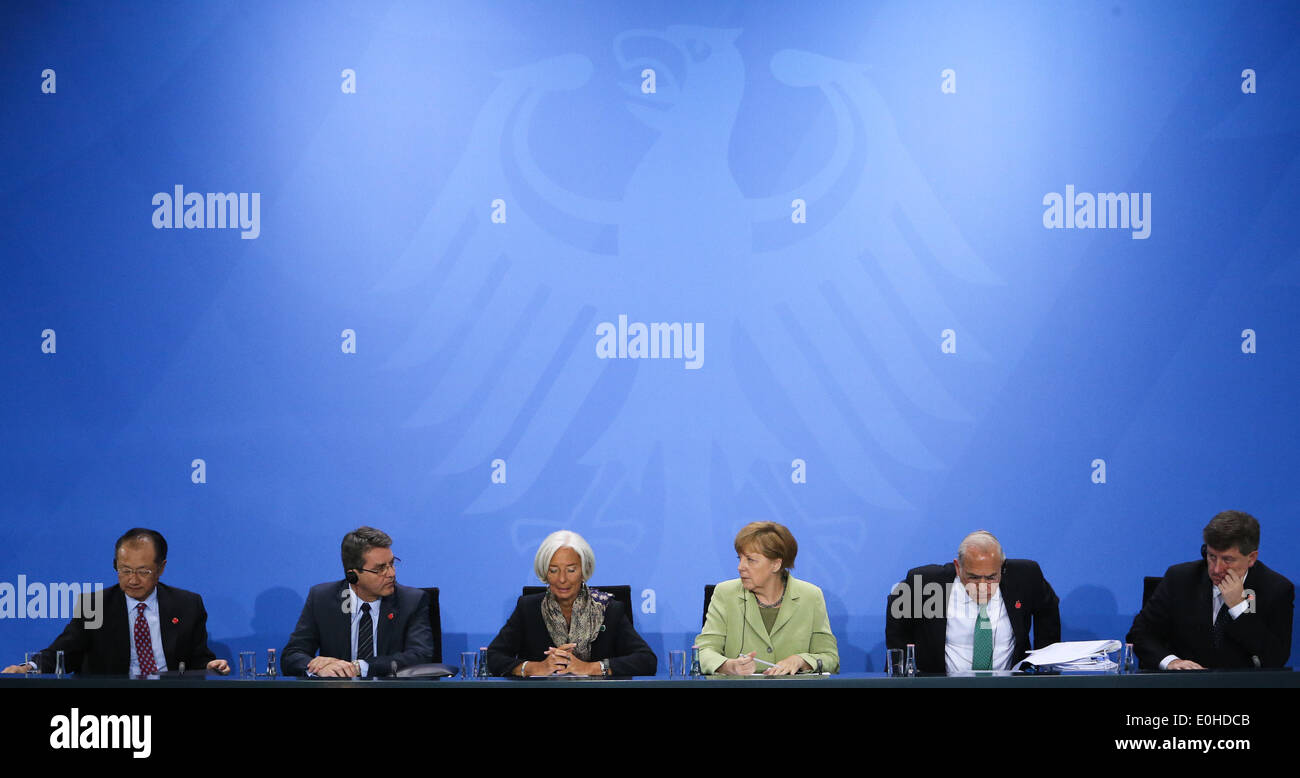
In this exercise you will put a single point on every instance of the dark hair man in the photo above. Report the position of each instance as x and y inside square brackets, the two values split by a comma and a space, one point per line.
[1206, 614]
[364, 625]
[145, 627]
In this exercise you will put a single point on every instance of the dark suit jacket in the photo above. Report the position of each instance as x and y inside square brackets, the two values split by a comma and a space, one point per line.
[1026, 594]
[524, 638]
[107, 650]
[1176, 620]
[324, 627]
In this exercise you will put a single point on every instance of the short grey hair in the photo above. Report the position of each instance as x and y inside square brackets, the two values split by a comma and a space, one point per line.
[982, 539]
[564, 539]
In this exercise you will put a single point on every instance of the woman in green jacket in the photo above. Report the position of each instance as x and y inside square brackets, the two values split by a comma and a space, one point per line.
[767, 621]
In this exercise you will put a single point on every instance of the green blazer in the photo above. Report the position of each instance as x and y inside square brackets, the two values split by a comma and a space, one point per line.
[735, 625]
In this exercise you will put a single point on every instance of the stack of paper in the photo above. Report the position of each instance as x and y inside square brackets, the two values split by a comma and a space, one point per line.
[1076, 656]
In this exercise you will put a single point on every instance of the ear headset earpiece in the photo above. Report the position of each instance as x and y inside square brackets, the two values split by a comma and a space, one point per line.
[1204, 554]
[350, 576]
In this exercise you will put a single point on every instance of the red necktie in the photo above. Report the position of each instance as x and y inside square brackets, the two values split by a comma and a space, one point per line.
[143, 643]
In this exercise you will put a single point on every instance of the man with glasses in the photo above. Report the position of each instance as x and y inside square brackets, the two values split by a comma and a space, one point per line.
[1228, 610]
[145, 627]
[984, 623]
[366, 625]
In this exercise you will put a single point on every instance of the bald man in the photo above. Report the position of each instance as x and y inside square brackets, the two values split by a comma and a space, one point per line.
[983, 624]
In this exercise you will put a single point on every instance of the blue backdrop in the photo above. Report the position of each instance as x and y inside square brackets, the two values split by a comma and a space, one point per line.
[835, 221]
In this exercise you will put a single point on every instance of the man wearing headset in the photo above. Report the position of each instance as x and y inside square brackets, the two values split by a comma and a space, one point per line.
[365, 625]
[1226, 610]
[984, 623]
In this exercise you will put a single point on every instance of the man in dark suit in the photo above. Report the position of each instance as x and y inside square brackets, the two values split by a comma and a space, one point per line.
[145, 627]
[983, 624]
[1227, 610]
[365, 625]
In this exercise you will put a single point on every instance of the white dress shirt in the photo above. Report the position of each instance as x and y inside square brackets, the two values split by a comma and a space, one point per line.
[959, 644]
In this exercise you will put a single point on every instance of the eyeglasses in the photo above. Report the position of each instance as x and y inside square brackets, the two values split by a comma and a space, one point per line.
[384, 568]
[127, 572]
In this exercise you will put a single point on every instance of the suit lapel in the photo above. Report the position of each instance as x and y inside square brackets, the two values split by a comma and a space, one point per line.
[752, 616]
[938, 628]
[1205, 600]
[168, 625]
[118, 633]
[383, 627]
[1204, 619]
[340, 623]
[1011, 595]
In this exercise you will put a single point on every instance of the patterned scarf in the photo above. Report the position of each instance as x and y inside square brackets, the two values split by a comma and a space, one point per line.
[585, 624]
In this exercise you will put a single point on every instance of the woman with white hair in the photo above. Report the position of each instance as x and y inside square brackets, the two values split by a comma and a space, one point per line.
[569, 629]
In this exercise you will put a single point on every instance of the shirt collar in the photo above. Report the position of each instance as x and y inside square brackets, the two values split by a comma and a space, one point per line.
[356, 602]
[150, 602]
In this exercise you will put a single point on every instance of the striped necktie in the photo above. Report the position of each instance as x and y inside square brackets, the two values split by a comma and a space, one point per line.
[365, 635]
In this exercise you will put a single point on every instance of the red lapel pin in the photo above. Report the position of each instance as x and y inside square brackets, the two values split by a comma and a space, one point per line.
[175, 620]
[390, 617]
[1017, 604]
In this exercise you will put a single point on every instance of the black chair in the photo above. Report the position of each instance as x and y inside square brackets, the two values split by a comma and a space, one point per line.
[622, 593]
[708, 597]
[435, 621]
[1149, 584]
[434, 669]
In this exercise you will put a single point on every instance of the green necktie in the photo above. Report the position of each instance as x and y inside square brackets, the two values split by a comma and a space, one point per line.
[982, 658]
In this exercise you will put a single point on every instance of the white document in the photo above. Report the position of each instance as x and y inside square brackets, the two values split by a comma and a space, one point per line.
[1081, 652]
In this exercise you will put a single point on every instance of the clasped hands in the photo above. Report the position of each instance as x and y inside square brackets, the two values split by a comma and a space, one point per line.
[329, 667]
[744, 665]
[560, 660]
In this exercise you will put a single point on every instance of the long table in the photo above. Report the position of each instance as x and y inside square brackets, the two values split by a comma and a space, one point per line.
[1245, 679]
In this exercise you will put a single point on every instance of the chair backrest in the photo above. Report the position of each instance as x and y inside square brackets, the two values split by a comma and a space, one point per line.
[1149, 584]
[435, 621]
[708, 597]
[622, 593]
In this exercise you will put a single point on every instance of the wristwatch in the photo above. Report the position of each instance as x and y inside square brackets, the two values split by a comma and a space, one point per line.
[604, 667]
